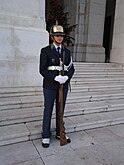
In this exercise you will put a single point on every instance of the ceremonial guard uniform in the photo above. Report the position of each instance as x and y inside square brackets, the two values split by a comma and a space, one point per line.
[50, 68]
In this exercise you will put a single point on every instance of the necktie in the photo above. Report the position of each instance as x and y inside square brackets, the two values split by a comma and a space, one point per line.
[58, 50]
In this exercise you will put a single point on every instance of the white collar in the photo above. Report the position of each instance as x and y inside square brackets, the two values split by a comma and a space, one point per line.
[56, 46]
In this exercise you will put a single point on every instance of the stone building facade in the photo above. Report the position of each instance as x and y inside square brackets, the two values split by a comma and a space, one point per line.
[23, 33]
[89, 16]
[117, 52]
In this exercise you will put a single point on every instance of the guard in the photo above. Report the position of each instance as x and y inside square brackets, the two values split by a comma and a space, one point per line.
[50, 67]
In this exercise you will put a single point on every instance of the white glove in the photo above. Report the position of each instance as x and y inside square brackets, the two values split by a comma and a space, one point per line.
[61, 79]
[58, 78]
[65, 78]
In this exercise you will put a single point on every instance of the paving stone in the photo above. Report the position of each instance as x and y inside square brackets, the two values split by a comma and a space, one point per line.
[103, 135]
[57, 154]
[53, 148]
[17, 153]
[80, 139]
[63, 158]
[93, 155]
[122, 163]
[117, 130]
[115, 151]
[32, 162]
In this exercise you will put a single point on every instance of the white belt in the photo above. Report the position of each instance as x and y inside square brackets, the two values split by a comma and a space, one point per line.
[59, 68]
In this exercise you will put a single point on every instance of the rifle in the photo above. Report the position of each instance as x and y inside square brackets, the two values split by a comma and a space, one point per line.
[63, 139]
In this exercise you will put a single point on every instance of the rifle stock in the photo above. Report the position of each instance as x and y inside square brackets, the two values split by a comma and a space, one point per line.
[63, 139]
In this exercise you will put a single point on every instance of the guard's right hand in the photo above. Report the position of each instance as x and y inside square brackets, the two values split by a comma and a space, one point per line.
[61, 79]
[58, 79]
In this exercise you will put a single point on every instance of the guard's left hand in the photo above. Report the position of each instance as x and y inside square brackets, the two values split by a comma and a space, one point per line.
[64, 79]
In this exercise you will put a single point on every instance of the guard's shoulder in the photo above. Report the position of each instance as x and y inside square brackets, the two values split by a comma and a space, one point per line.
[45, 48]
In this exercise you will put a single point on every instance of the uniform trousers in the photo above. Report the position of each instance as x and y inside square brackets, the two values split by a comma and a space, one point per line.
[51, 97]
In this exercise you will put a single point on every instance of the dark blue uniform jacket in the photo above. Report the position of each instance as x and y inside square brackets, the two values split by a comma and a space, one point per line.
[50, 57]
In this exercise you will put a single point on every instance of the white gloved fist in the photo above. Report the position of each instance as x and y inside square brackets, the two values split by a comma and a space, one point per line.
[65, 78]
[61, 79]
[58, 78]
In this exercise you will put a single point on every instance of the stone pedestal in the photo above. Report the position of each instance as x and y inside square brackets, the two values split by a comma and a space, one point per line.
[22, 35]
[117, 53]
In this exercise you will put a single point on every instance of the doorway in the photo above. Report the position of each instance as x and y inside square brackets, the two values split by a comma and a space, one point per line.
[108, 28]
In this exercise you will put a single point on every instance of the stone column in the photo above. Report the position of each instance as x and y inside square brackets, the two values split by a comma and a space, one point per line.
[117, 53]
[22, 35]
[89, 32]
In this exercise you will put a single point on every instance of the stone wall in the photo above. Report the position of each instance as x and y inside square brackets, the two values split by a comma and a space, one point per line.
[117, 53]
[89, 16]
[22, 35]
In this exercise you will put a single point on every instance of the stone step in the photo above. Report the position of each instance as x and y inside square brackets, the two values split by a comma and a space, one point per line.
[13, 133]
[98, 79]
[97, 87]
[23, 115]
[20, 98]
[32, 130]
[98, 65]
[97, 69]
[85, 83]
[20, 91]
[83, 95]
[106, 75]
[75, 83]
[96, 100]
[91, 98]
[81, 122]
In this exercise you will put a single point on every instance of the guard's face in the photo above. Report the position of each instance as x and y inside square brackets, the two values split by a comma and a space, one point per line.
[58, 39]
